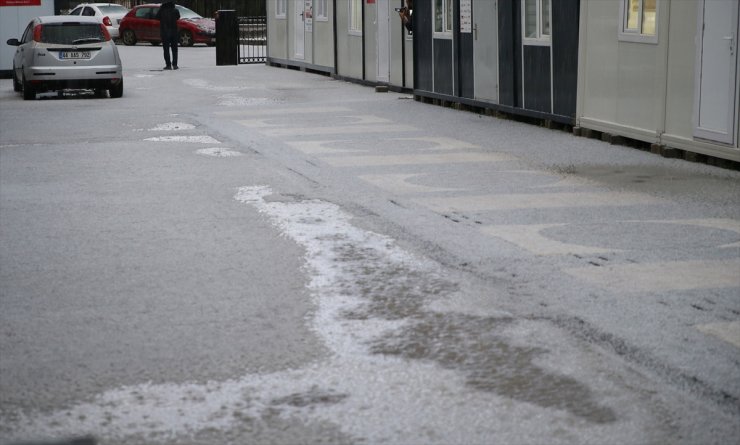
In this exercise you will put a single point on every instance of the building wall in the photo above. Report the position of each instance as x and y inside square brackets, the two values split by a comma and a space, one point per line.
[621, 82]
[349, 47]
[323, 39]
[682, 62]
[277, 34]
[644, 91]
[13, 21]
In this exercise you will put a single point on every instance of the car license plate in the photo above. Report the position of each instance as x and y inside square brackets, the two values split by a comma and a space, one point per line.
[74, 55]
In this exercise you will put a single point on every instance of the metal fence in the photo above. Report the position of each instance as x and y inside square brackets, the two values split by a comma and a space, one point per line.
[253, 39]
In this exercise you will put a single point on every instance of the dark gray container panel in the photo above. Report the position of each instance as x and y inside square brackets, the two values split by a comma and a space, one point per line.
[565, 18]
[537, 78]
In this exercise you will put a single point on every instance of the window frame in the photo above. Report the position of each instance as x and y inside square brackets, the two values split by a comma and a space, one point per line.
[281, 9]
[541, 39]
[322, 10]
[627, 35]
[447, 28]
[351, 5]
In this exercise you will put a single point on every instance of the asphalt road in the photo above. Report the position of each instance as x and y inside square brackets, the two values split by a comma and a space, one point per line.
[259, 255]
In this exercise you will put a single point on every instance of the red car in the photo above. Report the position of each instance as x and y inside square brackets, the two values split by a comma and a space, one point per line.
[140, 24]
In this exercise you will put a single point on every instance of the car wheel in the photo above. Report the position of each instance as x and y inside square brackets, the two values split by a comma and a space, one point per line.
[17, 86]
[29, 93]
[129, 38]
[154, 43]
[186, 38]
[117, 90]
[100, 92]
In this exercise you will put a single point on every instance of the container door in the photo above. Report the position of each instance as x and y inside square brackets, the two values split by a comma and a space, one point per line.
[485, 49]
[383, 40]
[299, 29]
[715, 109]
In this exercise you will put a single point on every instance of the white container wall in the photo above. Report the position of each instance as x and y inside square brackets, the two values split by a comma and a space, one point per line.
[13, 21]
[645, 73]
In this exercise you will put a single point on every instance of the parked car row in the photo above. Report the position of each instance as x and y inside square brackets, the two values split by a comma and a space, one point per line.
[110, 14]
[77, 51]
[141, 25]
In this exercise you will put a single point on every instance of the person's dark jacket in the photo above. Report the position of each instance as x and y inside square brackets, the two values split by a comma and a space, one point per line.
[168, 16]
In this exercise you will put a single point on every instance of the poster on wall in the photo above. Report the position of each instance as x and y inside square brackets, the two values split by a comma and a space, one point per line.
[20, 3]
[308, 15]
[466, 16]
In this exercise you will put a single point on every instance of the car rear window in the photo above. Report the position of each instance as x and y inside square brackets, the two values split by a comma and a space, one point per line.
[113, 9]
[71, 33]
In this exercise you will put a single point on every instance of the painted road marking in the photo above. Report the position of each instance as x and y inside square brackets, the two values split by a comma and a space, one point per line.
[664, 276]
[528, 237]
[320, 147]
[441, 143]
[431, 143]
[727, 331]
[535, 201]
[437, 158]
[363, 119]
[712, 223]
[342, 129]
[398, 183]
[282, 111]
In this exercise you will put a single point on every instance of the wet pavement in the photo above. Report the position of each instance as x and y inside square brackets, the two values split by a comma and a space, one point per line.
[258, 255]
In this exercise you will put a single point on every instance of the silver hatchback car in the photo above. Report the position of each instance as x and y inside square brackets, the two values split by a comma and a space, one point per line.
[63, 52]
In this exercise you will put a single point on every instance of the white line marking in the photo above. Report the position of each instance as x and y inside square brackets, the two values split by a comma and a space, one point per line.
[398, 183]
[529, 237]
[727, 331]
[535, 201]
[664, 276]
[343, 129]
[411, 159]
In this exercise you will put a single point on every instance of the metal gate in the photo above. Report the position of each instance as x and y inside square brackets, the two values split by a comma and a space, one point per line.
[253, 39]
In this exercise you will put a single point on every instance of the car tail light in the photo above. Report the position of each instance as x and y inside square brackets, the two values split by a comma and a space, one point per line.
[105, 31]
[37, 33]
[106, 21]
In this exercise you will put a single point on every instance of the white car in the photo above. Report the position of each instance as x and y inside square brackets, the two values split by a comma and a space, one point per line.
[108, 13]
[59, 52]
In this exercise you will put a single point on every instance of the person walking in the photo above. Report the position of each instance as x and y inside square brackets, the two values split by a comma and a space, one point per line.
[168, 16]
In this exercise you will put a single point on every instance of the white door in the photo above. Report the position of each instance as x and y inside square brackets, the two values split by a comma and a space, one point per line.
[485, 49]
[384, 40]
[299, 29]
[715, 111]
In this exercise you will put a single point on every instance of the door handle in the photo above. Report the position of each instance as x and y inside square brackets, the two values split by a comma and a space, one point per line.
[731, 39]
[475, 32]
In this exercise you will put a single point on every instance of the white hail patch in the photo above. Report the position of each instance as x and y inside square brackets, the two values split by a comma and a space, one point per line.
[173, 126]
[205, 85]
[231, 100]
[218, 152]
[383, 399]
[203, 139]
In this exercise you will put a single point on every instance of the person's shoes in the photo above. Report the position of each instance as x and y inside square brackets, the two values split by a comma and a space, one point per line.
[168, 67]
[174, 67]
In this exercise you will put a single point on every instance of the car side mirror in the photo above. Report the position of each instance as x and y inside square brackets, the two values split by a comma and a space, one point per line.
[13, 42]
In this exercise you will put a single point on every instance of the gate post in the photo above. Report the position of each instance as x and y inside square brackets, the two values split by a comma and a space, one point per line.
[227, 37]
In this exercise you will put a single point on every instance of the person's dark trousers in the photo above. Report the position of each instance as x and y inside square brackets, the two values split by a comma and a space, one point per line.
[169, 41]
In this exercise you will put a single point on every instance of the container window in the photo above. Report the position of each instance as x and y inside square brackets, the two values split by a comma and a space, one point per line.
[536, 22]
[355, 17]
[443, 18]
[639, 20]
